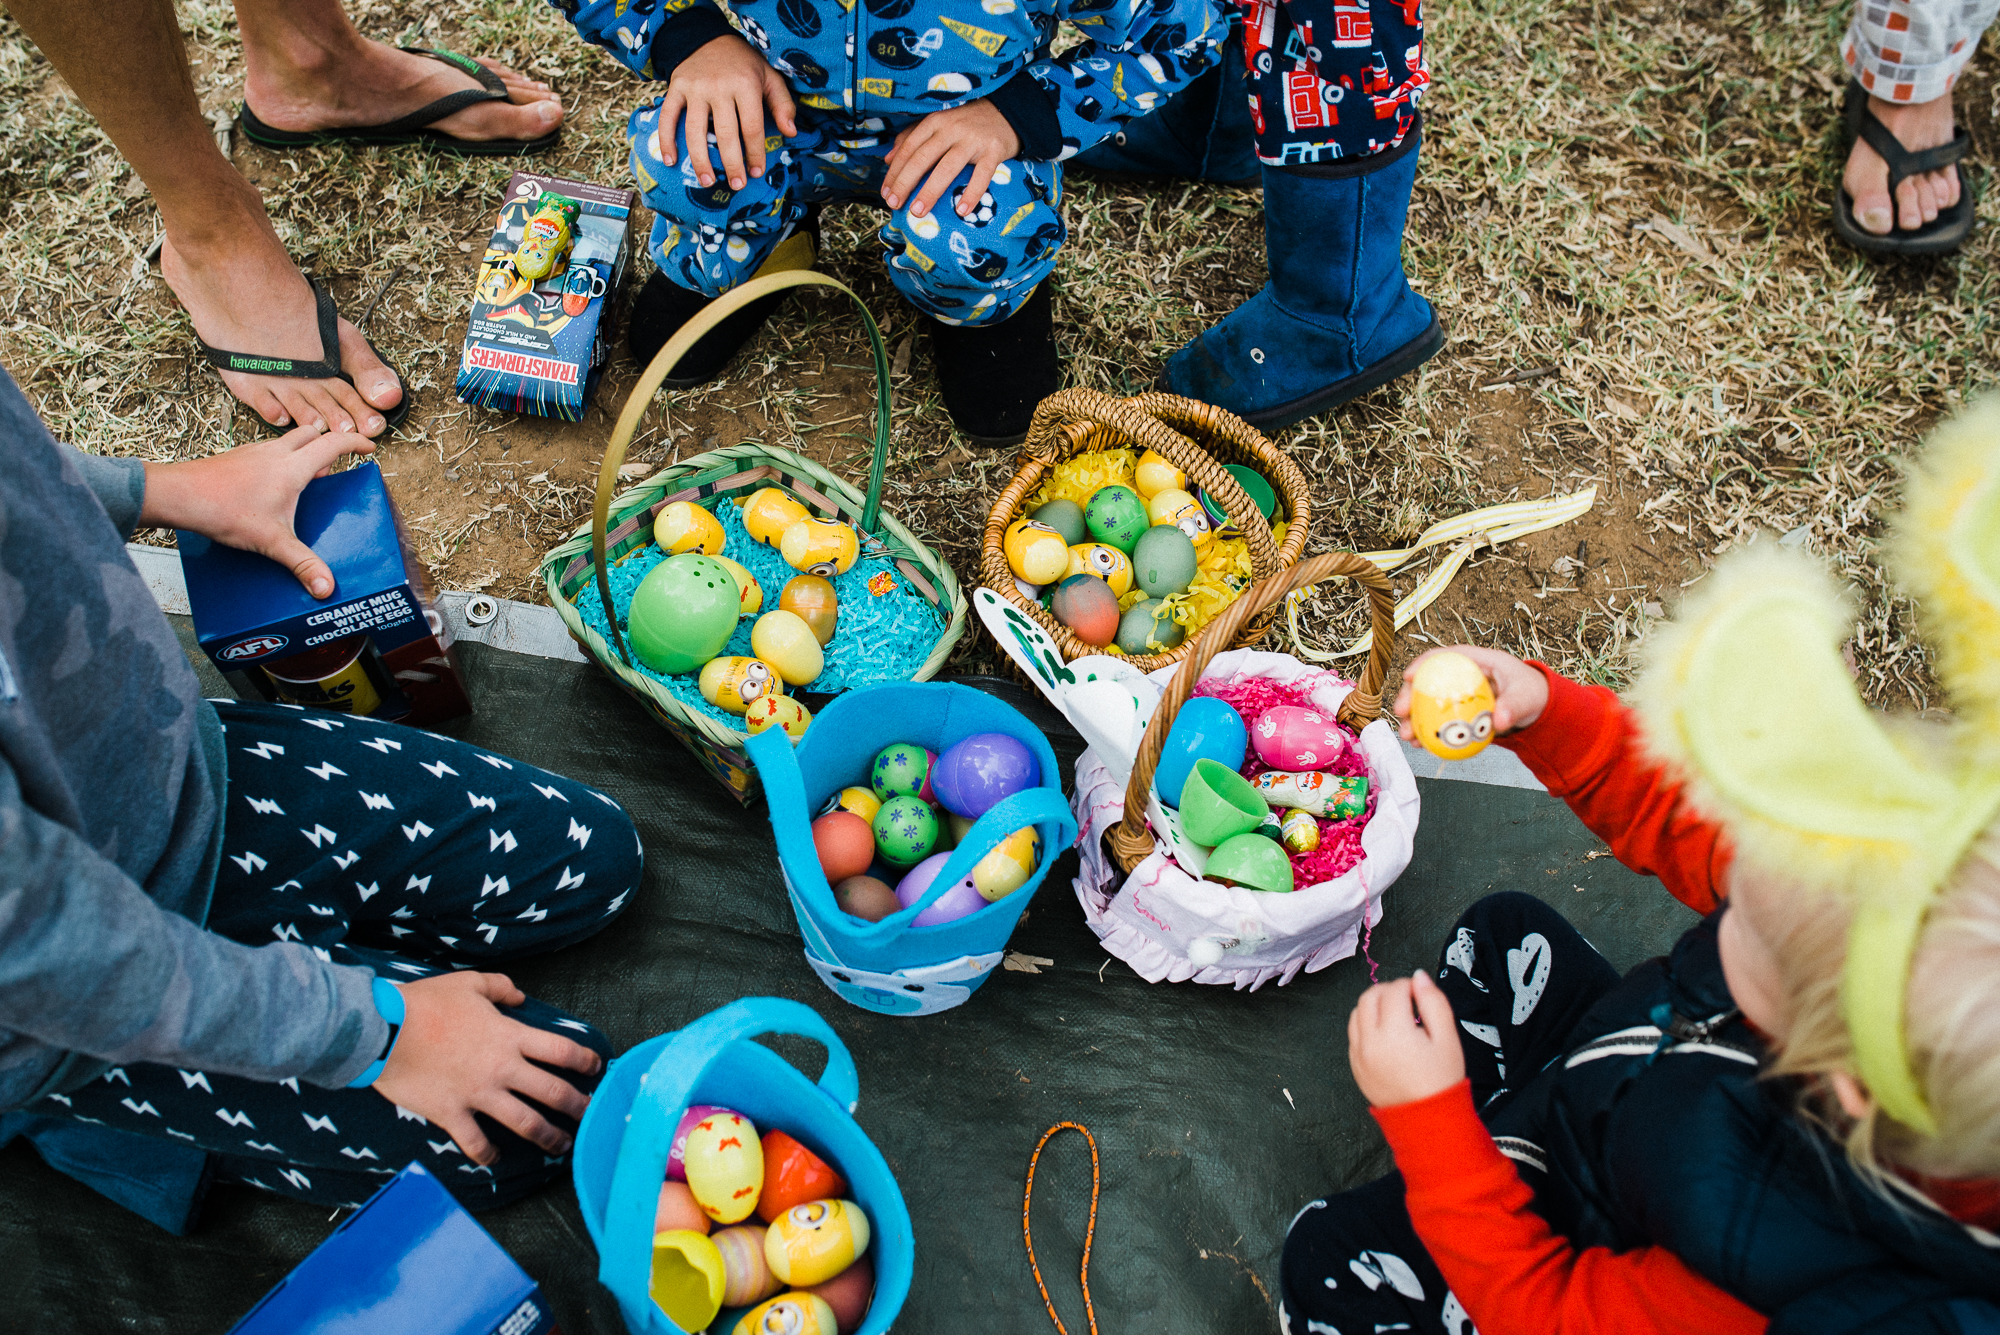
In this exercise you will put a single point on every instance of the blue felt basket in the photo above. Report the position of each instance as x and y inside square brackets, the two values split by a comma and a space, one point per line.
[622, 1143]
[891, 966]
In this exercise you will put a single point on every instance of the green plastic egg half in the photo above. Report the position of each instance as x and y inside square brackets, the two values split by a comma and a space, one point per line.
[683, 612]
[1066, 518]
[1144, 630]
[1116, 517]
[1163, 561]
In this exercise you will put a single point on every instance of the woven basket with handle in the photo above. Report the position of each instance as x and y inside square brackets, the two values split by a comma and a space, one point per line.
[1197, 439]
[623, 523]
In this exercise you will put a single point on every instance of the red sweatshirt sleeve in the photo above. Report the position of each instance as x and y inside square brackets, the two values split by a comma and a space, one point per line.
[1509, 1270]
[1585, 749]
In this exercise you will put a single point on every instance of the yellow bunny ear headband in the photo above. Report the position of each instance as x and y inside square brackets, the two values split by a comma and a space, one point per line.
[1747, 693]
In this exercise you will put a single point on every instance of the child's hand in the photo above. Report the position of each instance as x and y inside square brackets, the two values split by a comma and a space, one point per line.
[725, 87]
[1396, 1058]
[975, 135]
[1520, 693]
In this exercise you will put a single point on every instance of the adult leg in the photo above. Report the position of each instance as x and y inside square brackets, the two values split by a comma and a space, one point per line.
[1352, 1262]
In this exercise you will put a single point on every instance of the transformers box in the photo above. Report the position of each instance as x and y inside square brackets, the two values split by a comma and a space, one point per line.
[538, 345]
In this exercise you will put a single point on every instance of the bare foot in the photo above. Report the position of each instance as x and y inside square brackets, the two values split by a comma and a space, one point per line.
[359, 82]
[245, 295]
[1919, 199]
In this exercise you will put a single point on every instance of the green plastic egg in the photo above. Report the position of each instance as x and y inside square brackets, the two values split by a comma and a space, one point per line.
[683, 612]
[1163, 561]
[1143, 630]
[1066, 518]
[1116, 517]
[906, 831]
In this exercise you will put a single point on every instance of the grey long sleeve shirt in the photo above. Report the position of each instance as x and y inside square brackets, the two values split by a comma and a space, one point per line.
[112, 785]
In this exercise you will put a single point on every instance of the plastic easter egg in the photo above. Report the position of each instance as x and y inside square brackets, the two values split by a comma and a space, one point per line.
[684, 526]
[813, 1242]
[865, 897]
[682, 613]
[1292, 737]
[1157, 473]
[1252, 861]
[725, 1166]
[769, 512]
[687, 1280]
[958, 902]
[1104, 561]
[1204, 729]
[787, 643]
[1035, 551]
[751, 593]
[811, 599]
[1088, 607]
[847, 1293]
[1066, 518]
[736, 683]
[789, 1314]
[954, 827]
[1008, 867]
[1451, 706]
[677, 1210]
[823, 547]
[902, 767]
[1163, 561]
[1032, 592]
[1254, 486]
[676, 1162]
[777, 711]
[1184, 512]
[794, 1175]
[861, 801]
[1115, 516]
[976, 772]
[845, 844]
[1146, 629]
[905, 831]
[746, 1275]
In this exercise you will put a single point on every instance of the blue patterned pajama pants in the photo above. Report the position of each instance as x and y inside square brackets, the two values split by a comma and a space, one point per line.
[1332, 79]
[972, 270]
[406, 853]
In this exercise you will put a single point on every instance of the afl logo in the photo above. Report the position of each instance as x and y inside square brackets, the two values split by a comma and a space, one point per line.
[257, 646]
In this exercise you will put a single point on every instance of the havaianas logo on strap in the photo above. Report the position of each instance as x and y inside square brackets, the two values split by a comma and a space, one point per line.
[277, 365]
[1748, 693]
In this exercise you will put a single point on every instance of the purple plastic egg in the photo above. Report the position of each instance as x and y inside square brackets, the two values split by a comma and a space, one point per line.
[676, 1163]
[976, 772]
[1292, 737]
[962, 899]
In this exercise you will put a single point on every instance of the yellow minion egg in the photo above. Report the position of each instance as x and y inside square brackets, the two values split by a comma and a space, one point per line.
[1451, 706]
[777, 711]
[1035, 551]
[750, 593]
[725, 1166]
[824, 547]
[786, 642]
[734, 683]
[1008, 867]
[769, 512]
[1184, 512]
[1155, 474]
[686, 527]
[860, 800]
[811, 1243]
[789, 1314]
[1104, 561]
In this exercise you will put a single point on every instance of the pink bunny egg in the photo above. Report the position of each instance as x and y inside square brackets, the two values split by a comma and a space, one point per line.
[1291, 737]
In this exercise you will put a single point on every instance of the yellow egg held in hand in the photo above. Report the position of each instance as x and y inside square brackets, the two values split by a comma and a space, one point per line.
[1035, 552]
[1451, 706]
[789, 1314]
[750, 592]
[769, 512]
[823, 547]
[686, 527]
[787, 643]
[734, 683]
[725, 1166]
[811, 1243]
[1156, 473]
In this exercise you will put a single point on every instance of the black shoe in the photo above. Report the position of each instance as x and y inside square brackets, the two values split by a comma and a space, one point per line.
[664, 306]
[993, 375]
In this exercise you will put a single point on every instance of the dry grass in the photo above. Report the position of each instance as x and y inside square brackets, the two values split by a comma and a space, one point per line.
[1632, 195]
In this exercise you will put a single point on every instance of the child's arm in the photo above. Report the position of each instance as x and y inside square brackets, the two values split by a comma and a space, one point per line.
[1583, 744]
[1509, 1270]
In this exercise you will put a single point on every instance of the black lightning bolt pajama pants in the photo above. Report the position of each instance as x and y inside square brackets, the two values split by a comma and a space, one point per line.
[1520, 980]
[400, 851]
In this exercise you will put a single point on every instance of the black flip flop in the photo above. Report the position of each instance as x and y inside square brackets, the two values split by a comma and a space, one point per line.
[326, 368]
[1943, 234]
[415, 127]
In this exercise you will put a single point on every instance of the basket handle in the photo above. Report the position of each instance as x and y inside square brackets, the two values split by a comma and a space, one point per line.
[1131, 841]
[626, 1260]
[767, 281]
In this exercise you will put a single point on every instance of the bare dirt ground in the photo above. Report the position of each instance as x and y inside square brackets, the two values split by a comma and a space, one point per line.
[1625, 203]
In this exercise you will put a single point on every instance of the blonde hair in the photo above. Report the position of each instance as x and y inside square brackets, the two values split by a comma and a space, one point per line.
[1953, 1011]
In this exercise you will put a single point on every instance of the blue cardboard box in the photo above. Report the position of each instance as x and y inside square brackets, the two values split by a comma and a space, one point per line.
[409, 1262]
[377, 647]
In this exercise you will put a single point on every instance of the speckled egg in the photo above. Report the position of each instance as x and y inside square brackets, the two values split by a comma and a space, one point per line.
[823, 547]
[1163, 561]
[1104, 561]
[1088, 607]
[777, 711]
[769, 512]
[905, 831]
[1115, 515]
[811, 1243]
[786, 642]
[1066, 518]
[1292, 737]
[685, 527]
[725, 1166]
[902, 767]
[751, 593]
[1157, 473]
[790, 1314]
[812, 600]
[1035, 551]
[1145, 629]
[733, 683]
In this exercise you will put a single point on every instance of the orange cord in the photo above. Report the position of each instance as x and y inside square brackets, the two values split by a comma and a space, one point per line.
[1090, 1229]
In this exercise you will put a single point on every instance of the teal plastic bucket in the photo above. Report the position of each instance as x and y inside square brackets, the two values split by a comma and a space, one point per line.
[622, 1144]
[893, 967]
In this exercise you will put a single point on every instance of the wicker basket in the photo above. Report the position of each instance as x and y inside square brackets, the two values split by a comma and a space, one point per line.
[1198, 439]
[623, 523]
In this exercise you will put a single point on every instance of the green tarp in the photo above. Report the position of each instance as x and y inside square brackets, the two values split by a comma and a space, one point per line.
[1218, 1113]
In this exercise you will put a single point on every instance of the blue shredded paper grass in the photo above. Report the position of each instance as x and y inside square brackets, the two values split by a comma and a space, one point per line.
[879, 638]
